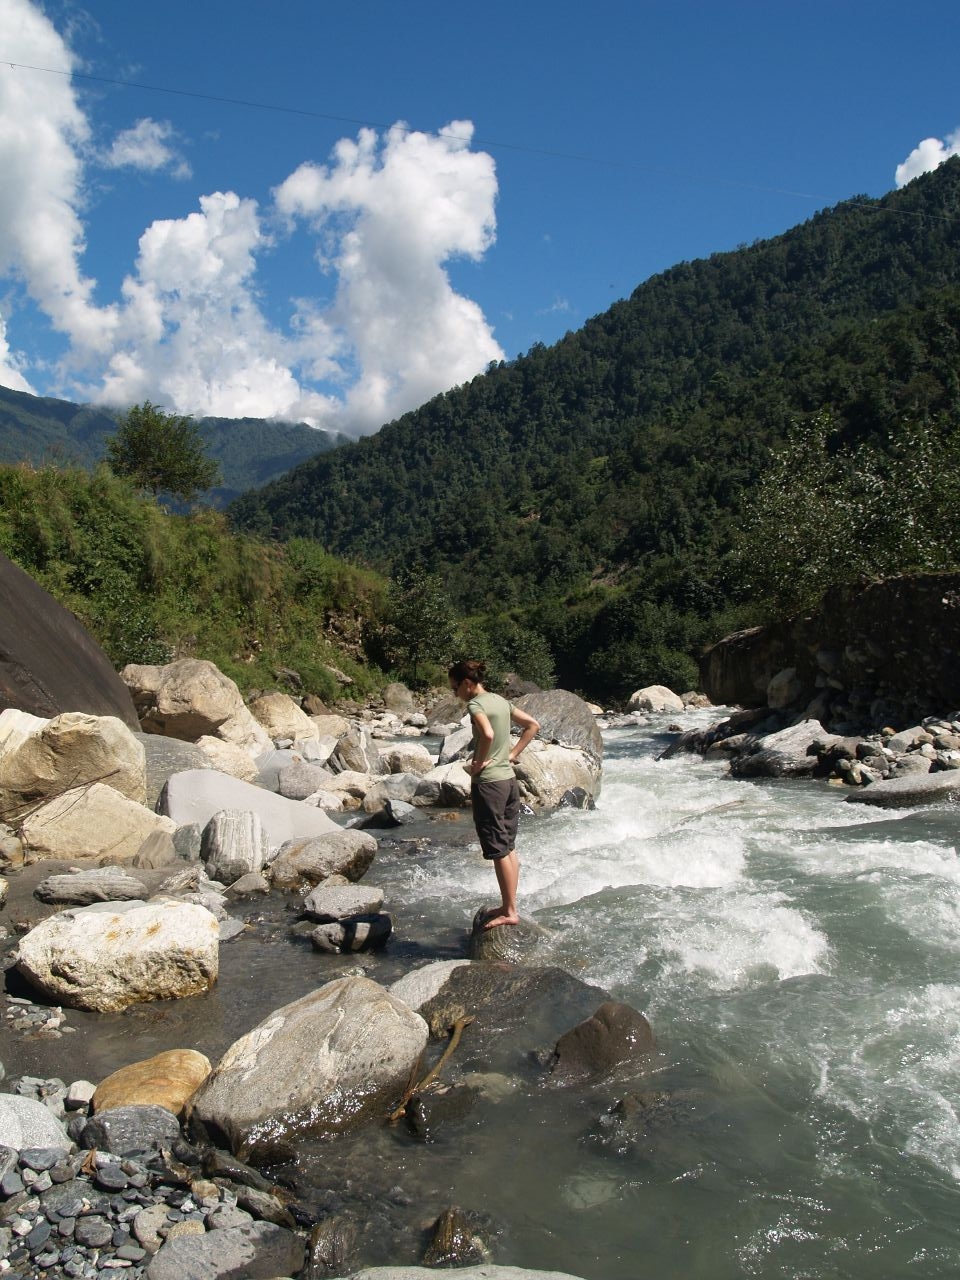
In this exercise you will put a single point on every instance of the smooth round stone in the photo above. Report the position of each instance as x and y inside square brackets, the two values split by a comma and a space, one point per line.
[94, 1232]
[131, 1253]
[39, 1236]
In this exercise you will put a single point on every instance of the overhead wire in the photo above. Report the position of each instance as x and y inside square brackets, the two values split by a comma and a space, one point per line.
[868, 203]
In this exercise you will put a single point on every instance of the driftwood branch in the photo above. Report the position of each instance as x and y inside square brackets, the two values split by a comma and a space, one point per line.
[456, 1031]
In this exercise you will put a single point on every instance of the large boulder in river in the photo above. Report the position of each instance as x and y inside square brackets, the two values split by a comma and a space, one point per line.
[547, 774]
[565, 720]
[518, 1011]
[190, 698]
[92, 824]
[311, 860]
[916, 789]
[615, 1035]
[49, 662]
[789, 753]
[281, 717]
[71, 750]
[657, 698]
[317, 1066]
[197, 794]
[111, 955]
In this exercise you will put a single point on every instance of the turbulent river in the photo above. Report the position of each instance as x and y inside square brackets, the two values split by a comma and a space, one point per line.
[799, 961]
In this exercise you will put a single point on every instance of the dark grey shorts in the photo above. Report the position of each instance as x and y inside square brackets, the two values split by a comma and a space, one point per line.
[496, 815]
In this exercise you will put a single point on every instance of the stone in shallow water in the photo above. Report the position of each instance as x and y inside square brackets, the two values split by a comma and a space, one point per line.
[272, 1084]
[260, 1251]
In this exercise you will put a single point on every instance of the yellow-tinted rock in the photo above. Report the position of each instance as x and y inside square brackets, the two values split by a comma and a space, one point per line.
[166, 1080]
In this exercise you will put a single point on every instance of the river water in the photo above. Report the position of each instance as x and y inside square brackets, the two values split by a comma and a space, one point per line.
[799, 961]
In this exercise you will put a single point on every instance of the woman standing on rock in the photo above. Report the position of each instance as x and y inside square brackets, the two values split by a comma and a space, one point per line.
[494, 793]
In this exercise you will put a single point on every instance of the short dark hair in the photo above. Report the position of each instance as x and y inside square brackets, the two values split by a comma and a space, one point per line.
[469, 669]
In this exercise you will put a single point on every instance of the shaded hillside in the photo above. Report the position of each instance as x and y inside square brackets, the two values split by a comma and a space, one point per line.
[622, 455]
[250, 451]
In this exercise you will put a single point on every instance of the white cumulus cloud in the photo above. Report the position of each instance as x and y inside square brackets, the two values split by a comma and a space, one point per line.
[378, 331]
[388, 217]
[148, 146]
[42, 131]
[190, 332]
[11, 374]
[926, 156]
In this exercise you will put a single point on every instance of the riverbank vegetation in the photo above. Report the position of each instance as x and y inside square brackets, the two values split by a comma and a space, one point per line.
[152, 586]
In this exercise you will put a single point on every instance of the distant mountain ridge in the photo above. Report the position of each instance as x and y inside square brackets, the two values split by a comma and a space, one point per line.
[251, 451]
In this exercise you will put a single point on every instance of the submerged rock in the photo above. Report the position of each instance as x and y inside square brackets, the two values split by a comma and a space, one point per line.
[514, 943]
[615, 1035]
[456, 1240]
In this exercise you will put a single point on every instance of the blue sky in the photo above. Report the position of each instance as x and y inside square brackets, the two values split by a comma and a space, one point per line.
[423, 187]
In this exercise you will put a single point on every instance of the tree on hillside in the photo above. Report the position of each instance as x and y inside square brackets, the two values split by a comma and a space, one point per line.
[421, 625]
[161, 452]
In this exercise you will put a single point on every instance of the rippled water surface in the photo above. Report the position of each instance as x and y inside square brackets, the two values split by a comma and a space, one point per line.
[799, 960]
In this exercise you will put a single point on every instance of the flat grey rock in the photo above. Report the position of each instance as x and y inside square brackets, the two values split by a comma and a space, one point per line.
[197, 794]
[259, 1251]
[105, 884]
[166, 756]
[339, 901]
[123, 1130]
[901, 793]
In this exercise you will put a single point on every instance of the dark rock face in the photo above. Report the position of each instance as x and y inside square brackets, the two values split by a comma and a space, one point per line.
[614, 1035]
[49, 662]
[894, 642]
[565, 719]
[517, 1011]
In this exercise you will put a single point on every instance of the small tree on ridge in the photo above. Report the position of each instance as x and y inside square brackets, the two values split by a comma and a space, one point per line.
[161, 452]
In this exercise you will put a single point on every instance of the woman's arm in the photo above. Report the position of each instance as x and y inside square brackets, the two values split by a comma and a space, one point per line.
[530, 729]
[484, 730]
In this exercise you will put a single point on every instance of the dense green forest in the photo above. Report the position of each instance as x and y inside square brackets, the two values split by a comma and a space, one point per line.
[250, 451]
[600, 493]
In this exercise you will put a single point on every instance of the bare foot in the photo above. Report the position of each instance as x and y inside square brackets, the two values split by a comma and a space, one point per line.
[502, 918]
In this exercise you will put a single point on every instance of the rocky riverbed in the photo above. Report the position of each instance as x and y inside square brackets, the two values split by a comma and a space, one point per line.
[141, 878]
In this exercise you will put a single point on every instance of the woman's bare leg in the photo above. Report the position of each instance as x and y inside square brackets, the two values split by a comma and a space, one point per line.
[508, 877]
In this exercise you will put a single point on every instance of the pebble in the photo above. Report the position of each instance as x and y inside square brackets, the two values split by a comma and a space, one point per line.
[59, 1221]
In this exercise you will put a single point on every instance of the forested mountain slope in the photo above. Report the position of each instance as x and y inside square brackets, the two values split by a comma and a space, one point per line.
[251, 451]
[630, 446]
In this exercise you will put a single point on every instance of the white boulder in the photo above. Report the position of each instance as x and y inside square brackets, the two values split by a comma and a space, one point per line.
[111, 955]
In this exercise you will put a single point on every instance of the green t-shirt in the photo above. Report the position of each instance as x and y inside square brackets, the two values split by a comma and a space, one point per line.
[497, 766]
